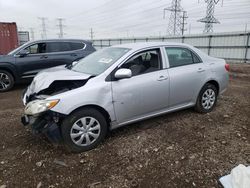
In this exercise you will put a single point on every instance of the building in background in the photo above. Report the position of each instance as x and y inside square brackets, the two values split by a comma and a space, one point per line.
[8, 37]
[23, 37]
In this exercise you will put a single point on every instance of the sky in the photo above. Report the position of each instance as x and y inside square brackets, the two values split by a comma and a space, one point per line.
[119, 18]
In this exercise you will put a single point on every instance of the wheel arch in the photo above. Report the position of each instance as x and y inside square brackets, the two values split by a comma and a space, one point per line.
[10, 71]
[98, 108]
[215, 83]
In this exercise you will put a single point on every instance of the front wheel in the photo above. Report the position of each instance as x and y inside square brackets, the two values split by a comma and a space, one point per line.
[83, 130]
[207, 98]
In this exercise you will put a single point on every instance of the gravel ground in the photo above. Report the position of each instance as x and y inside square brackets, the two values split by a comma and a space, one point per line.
[182, 149]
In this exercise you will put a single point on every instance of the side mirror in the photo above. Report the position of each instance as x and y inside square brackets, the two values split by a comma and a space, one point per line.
[23, 53]
[74, 63]
[123, 73]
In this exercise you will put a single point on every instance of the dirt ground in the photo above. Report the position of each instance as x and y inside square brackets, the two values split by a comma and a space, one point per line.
[182, 149]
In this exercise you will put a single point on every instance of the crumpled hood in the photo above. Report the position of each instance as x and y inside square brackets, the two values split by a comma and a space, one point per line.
[45, 78]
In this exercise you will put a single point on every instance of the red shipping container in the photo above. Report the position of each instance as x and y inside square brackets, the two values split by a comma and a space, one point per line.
[8, 37]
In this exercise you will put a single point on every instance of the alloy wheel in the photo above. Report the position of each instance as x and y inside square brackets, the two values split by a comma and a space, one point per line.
[4, 81]
[208, 99]
[85, 131]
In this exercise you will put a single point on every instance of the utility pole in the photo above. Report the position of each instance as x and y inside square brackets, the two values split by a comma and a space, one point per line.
[209, 20]
[174, 26]
[60, 26]
[184, 23]
[32, 35]
[44, 28]
[91, 33]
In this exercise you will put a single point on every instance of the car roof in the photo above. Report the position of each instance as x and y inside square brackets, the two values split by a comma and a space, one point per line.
[62, 40]
[140, 45]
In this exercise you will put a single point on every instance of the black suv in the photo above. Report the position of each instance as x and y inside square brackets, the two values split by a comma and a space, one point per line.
[23, 63]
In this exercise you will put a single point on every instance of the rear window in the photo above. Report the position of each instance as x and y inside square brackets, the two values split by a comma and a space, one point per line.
[77, 45]
[58, 47]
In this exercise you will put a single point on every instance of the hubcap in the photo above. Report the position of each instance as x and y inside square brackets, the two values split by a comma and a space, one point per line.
[4, 81]
[208, 99]
[85, 131]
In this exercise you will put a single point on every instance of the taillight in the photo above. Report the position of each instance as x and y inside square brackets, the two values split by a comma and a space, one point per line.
[227, 67]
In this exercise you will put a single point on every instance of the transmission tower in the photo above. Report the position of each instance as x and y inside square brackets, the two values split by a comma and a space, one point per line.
[91, 34]
[209, 20]
[61, 26]
[44, 28]
[32, 35]
[174, 25]
[183, 23]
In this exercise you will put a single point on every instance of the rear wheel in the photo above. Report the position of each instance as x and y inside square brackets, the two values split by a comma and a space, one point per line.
[6, 81]
[83, 130]
[207, 98]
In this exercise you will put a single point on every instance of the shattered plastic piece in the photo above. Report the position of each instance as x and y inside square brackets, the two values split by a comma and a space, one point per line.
[239, 178]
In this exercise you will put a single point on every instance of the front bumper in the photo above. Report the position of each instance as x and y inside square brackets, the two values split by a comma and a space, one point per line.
[44, 124]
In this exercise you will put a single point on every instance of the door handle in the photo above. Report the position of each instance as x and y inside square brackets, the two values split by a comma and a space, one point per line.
[73, 55]
[44, 57]
[161, 78]
[200, 70]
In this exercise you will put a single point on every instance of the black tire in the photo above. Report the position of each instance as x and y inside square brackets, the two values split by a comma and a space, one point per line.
[68, 122]
[199, 107]
[10, 81]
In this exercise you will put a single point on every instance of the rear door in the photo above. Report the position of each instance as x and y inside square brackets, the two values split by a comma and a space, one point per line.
[146, 91]
[187, 75]
[63, 53]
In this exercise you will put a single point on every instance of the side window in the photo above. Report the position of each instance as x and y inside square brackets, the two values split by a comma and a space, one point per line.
[53, 47]
[181, 56]
[65, 46]
[58, 47]
[37, 48]
[144, 62]
[77, 45]
[195, 58]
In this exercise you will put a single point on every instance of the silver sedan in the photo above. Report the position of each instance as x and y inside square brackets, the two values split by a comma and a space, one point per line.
[121, 85]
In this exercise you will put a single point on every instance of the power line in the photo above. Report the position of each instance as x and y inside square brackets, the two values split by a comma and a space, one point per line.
[44, 28]
[61, 26]
[209, 20]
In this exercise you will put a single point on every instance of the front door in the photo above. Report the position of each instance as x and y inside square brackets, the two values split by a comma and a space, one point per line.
[29, 65]
[146, 92]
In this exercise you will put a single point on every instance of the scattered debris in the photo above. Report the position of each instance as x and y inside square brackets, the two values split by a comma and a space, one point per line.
[156, 149]
[56, 161]
[39, 164]
[94, 184]
[226, 116]
[39, 185]
[224, 142]
[170, 147]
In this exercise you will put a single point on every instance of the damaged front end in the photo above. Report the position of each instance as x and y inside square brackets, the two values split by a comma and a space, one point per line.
[38, 113]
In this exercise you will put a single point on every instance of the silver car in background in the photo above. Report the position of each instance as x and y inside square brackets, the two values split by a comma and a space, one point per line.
[120, 85]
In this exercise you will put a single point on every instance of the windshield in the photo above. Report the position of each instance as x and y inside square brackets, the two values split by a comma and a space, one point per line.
[16, 50]
[99, 61]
